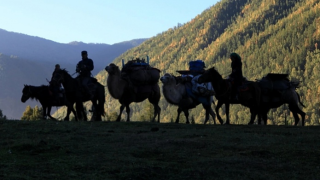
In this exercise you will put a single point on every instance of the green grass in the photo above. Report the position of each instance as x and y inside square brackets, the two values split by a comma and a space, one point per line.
[141, 150]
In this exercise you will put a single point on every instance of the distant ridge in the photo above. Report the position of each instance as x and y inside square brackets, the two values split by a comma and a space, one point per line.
[30, 60]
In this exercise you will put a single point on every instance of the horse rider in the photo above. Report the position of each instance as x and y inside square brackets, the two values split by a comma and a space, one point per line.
[84, 68]
[236, 76]
[56, 87]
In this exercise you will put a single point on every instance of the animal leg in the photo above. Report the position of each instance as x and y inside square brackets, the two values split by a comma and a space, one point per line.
[227, 105]
[213, 115]
[44, 112]
[156, 111]
[295, 111]
[186, 113]
[207, 108]
[48, 113]
[253, 116]
[128, 113]
[119, 116]
[217, 112]
[178, 116]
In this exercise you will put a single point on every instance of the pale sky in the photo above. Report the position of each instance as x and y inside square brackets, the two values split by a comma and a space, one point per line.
[97, 21]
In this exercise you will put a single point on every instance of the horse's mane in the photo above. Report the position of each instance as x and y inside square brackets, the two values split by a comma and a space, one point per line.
[66, 72]
[215, 72]
[38, 89]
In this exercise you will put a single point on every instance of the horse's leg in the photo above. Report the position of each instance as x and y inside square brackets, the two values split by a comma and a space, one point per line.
[207, 108]
[121, 109]
[44, 112]
[69, 110]
[213, 115]
[227, 105]
[80, 111]
[95, 114]
[128, 112]
[254, 113]
[265, 118]
[259, 118]
[48, 113]
[220, 103]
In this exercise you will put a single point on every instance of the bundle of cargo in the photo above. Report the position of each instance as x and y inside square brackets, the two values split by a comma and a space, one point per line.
[195, 68]
[139, 72]
[190, 78]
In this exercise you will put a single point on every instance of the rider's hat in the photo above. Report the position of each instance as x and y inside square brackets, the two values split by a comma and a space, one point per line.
[84, 52]
[235, 56]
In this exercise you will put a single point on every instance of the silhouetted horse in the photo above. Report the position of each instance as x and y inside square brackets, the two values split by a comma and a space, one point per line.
[75, 93]
[46, 99]
[249, 97]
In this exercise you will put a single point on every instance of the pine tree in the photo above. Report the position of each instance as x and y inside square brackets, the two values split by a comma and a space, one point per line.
[37, 113]
[27, 114]
[2, 117]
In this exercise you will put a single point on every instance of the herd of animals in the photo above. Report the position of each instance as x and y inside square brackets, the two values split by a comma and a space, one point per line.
[138, 81]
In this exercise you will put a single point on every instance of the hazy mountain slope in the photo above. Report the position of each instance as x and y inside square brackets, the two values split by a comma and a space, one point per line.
[14, 73]
[30, 60]
[45, 51]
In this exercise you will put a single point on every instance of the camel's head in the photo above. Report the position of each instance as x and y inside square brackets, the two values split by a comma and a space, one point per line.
[167, 78]
[112, 68]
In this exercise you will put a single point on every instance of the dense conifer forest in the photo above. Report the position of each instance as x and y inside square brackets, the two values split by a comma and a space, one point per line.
[271, 36]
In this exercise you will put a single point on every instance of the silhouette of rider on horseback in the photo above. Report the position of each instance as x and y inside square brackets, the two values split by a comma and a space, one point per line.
[236, 76]
[55, 86]
[84, 68]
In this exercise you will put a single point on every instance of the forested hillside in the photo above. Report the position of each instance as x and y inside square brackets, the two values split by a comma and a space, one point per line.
[270, 35]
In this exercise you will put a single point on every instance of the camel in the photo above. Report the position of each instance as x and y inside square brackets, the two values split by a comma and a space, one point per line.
[175, 93]
[127, 93]
[278, 92]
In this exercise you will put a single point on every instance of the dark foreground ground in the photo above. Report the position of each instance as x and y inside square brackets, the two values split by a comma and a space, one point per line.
[110, 150]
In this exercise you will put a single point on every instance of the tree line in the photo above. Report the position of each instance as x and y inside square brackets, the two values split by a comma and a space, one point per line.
[271, 36]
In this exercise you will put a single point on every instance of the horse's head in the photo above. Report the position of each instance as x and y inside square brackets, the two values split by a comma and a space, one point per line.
[210, 75]
[112, 69]
[26, 93]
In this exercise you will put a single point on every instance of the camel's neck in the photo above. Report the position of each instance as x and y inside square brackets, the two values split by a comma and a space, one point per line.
[174, 92]
[116, 85]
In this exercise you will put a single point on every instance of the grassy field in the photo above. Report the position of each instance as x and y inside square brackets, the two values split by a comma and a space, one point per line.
[111, 150]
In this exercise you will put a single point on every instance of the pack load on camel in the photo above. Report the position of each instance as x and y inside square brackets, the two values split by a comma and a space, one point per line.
[138, 72]
[196, 69]
[273, 84]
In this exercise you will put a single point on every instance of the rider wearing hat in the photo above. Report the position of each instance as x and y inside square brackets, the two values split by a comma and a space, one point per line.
[84, 68]
[56, 87]
[236, 74]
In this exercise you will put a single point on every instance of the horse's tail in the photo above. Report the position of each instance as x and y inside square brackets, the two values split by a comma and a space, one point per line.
[299, 100]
